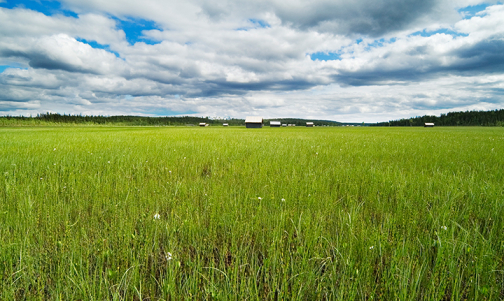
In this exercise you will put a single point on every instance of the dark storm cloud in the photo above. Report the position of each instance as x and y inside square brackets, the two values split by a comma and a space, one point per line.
[484, 57]
[41, 60]
[367, 17]
[223, 87]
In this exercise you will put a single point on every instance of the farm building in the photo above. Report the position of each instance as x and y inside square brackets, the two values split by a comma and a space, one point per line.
[284, 124]
[275, 124]
[309, 124]
[225, 124]
[254, 122]
[428, 125]
[202, 124]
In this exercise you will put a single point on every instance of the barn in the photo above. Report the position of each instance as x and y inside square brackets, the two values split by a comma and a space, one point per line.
[225, 124]
[202, 124]
[309, 124]
[254, 122]
[275, 124]
[428, 125]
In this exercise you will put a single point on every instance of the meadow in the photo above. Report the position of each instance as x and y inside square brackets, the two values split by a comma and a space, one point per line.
[173, 213]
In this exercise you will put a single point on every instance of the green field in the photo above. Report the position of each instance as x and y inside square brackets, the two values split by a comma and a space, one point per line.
[139, 213]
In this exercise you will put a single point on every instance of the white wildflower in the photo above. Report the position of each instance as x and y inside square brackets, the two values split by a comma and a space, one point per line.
[157, 216]
[54, 149]
[168, 256]
[444, 228]
[372, 247]
[259, 198]
[283, 200]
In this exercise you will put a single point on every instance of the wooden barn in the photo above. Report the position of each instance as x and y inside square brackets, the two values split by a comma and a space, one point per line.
[254, 122]
[275, 124]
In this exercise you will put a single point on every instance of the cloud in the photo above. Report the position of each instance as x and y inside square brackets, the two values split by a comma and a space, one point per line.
[323, 59]
[61, 52]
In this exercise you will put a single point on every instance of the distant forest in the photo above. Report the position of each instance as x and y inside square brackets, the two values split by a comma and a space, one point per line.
[468, 118]
[58, 119]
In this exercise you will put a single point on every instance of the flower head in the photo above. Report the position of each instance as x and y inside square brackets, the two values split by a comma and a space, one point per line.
[259, 198]
[157, 216]
[168, 256]
[444, 228]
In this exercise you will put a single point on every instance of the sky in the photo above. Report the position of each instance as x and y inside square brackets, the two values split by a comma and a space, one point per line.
[348, 61]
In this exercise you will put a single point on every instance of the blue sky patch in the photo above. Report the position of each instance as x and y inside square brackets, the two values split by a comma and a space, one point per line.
[167, 112]
[425, 33]
[4, 67]
[323, 56]
[470, 11]
[375, 44]
[257, 23]
[96, 45]
[133, 29]
[260, 23]
[48, 8]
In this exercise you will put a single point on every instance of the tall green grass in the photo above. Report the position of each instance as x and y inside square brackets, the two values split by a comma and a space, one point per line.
[283, 213]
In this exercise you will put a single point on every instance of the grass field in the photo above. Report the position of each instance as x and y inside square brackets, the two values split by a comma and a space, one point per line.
[118, 213]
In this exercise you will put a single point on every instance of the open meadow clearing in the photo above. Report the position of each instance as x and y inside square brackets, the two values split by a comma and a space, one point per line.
[170, 213]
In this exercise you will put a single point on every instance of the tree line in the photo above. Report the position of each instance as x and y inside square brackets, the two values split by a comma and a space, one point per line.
[55, 118]
[468, 118]
[59, 119]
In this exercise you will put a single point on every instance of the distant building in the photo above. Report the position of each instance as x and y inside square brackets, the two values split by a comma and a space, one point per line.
[428, 125]
[309, 124]
[225, 124]
[254, 122]
[284, 124]
[202, 124]
[291, 124]
[275, 124]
